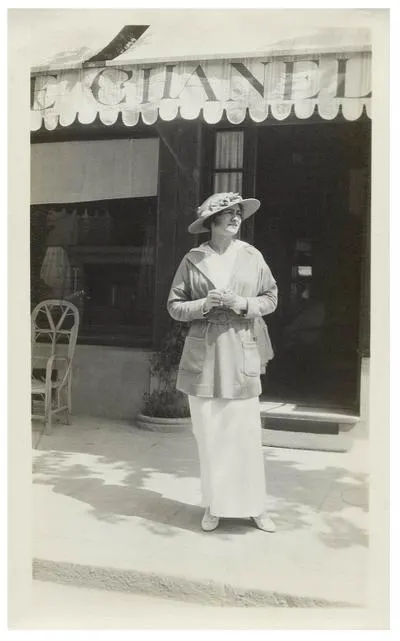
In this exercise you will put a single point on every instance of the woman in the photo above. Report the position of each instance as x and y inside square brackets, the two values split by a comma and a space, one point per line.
[223, 288]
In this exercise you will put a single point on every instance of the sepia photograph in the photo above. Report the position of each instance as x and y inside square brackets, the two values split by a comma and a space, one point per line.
[195, 303]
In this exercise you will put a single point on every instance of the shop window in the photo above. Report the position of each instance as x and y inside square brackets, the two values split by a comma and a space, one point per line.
[93, 230]
[100, 255]
[228, 161]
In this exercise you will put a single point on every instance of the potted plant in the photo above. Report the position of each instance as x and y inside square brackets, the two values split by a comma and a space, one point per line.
[164, 407]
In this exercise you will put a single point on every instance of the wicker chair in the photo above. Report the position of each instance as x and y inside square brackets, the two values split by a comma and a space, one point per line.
[55, 326]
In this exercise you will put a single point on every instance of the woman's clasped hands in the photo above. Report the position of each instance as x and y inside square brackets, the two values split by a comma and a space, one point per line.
[225, 298]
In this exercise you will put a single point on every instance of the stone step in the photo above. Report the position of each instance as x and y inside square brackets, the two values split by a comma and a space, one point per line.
[340, 442]
[292, 411]
[296, 427]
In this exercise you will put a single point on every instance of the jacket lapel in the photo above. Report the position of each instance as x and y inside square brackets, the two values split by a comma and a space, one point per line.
[199, 258]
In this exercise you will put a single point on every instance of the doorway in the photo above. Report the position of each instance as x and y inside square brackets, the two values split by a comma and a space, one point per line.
[313, 182]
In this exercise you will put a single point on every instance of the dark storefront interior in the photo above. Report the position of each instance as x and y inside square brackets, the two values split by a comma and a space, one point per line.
[313, 182]
[111, 255]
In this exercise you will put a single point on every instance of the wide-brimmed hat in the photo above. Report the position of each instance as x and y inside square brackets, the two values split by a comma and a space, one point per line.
[217, 203]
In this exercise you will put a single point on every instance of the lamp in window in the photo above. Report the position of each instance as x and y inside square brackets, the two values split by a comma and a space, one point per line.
[56, 268]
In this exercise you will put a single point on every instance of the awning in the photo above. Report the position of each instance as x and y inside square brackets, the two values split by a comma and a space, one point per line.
[201, 64]
[81, 171]
[65, 39]
[264, 87]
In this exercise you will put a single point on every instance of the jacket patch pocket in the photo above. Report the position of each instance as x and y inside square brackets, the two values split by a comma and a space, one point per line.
[251, 359]
[193, 355]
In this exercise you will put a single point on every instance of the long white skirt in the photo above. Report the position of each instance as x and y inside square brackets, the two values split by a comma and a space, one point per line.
[228, 435]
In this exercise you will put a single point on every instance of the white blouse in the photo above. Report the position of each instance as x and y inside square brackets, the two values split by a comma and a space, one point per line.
[221, 265]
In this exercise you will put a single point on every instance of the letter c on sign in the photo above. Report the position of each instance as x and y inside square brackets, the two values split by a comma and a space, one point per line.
[108, 87]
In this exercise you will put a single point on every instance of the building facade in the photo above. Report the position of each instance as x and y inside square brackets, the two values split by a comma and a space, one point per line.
[124, 148]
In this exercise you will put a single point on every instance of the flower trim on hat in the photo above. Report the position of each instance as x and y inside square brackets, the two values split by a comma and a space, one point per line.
[229, 198]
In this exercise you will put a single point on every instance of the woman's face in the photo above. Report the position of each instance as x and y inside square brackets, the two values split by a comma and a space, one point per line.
[228, 222]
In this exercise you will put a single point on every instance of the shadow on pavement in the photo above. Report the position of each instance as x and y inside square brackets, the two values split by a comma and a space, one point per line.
[137, 472]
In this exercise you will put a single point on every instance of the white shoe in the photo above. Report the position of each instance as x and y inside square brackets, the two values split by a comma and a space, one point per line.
[209, 521]
[264, 522]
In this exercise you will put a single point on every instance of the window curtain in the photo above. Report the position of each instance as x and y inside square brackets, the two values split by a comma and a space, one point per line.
[228, 182]
[229, 150]
[228, 155]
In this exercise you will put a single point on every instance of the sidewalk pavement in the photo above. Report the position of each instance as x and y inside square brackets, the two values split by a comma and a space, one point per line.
[117, 508]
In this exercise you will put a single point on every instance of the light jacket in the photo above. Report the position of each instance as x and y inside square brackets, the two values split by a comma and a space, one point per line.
[223, 353]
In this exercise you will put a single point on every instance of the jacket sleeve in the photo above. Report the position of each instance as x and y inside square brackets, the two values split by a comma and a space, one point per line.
[267, 299]
[180, 304]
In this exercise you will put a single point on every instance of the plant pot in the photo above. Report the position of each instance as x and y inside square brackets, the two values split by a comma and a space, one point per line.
[166, 425]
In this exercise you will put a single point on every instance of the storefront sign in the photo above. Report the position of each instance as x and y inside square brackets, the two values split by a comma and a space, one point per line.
[264, 87]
